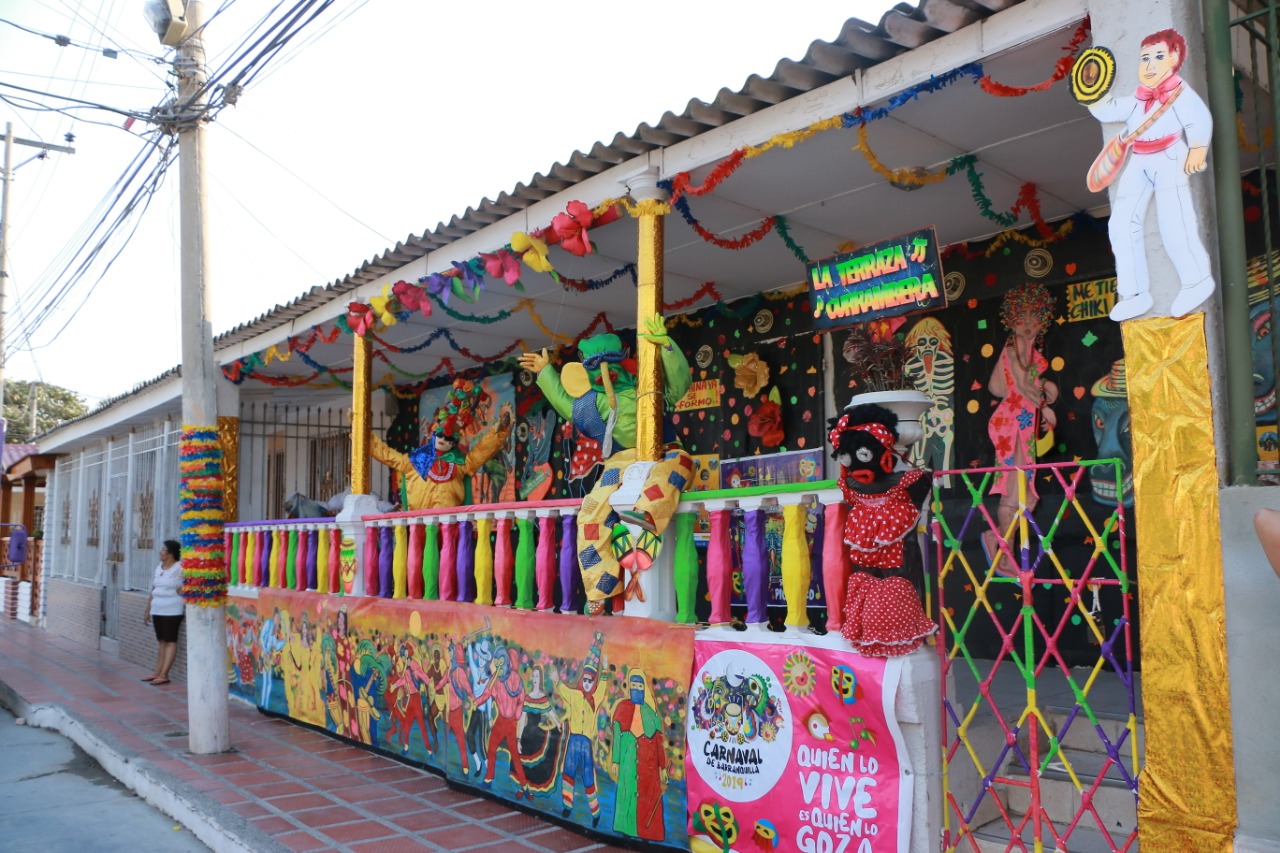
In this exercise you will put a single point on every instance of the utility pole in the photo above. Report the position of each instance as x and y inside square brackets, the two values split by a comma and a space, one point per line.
[208, 726]
[5, 179]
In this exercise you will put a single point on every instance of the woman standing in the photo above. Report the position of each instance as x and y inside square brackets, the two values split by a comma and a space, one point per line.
[165, 610]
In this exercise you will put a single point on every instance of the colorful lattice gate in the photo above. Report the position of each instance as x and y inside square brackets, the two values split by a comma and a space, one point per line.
[1041, 708]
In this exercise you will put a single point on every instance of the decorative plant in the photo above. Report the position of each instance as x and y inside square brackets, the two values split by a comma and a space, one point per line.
[878, 357]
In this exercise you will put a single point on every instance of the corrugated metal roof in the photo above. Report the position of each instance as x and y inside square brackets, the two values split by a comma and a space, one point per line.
[859, 45]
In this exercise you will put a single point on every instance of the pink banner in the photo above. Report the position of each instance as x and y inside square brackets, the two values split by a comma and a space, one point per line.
[794, 747]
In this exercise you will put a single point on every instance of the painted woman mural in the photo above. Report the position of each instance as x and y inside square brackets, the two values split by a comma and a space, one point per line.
[541, 735]
[1025, 398]
[932, 369]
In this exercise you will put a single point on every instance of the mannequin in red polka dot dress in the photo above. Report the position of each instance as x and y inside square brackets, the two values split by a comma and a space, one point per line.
[882, 614]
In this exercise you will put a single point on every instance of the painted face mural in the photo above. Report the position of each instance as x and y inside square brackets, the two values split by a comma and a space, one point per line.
[1110, 418]
[1264, 374]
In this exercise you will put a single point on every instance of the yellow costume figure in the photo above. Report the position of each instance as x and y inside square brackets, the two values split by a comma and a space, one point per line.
[437, 474]
[599, 397]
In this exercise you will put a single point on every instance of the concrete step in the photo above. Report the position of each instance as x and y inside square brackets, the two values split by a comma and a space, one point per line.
[1083, 735]
[997, 837]
[1114, 801]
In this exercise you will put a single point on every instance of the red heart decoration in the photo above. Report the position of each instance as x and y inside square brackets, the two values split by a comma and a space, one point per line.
[1070, 268]
[1079, 392]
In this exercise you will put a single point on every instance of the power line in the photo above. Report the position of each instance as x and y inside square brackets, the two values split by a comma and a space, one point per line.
[65, 41]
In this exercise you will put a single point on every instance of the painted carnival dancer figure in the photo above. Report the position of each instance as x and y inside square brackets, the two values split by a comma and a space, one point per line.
[438, 474]
[882, 612]
[639, 762]
[506, 688]
[599, 396]
[460, 697]
[541, 735]
[1167, 128]
[1024, 414]
[581, 709]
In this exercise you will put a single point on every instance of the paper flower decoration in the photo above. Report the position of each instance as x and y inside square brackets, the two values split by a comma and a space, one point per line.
[411, 297]
[766, 421]
[750, 374]
[360, 318]
[384, 306]
[502, 264]
[571, 227]
[532, 251]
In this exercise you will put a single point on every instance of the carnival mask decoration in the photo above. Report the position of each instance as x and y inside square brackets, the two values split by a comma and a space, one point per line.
[1110, 421]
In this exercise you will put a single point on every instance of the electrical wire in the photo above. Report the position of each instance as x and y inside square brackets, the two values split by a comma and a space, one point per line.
[65, 41]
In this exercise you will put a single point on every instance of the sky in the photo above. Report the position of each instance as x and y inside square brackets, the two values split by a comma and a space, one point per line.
[381, 120]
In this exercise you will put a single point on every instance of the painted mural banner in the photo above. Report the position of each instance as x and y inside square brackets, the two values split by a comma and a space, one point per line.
[794, 747]
[582, 720]
[897, 276]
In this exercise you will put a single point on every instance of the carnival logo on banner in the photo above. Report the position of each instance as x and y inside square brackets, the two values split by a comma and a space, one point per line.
[888, 279]
[794, 747]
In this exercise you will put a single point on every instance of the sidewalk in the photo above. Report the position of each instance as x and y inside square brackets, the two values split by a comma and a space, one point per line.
[283, 787]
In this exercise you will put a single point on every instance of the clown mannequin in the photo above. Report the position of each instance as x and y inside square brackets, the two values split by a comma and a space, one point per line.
[599, 396]
[436, 474]
[882, 613]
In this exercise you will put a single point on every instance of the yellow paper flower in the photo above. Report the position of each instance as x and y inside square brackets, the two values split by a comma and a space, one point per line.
[532, 251]
[384, 306]
[750, 374]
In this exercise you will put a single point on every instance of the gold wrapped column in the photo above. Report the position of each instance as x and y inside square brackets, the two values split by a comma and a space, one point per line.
[1187, 790]
[229, 443]
[361, 398]
[649, 396]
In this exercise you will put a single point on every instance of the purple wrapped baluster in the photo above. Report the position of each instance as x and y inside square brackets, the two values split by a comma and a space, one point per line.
[466, 563]
[313, 545]
[755, 568]
[386, 559]
[568, 561]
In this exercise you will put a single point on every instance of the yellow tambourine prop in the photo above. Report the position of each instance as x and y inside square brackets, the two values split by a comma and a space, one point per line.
[1092, 75]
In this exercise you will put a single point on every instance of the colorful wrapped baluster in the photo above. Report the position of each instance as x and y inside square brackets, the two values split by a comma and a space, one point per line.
[313, 545]
[372, 543]
[835, 564]
[502, 562]
[335, 561]
[431, 563]
[400, 562]
[755, 568]
[322, 560]
[546, 561]
[569, 574]
[525, 571]
[449, 561]
[466, 561]
[415, 561]
[796, 569]
[386, 562]
[720, 567]
[484, 562]
[686, 569]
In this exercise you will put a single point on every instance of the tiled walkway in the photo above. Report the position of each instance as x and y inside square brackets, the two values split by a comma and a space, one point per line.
[283, 786]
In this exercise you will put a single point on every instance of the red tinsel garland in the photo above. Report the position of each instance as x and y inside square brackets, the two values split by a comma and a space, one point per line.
[680, 182]
[738, 242]
[1029, 200]
[1060, 69]
[707, 289]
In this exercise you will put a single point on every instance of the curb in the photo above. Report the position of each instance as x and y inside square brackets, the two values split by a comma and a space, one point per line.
[214, 824]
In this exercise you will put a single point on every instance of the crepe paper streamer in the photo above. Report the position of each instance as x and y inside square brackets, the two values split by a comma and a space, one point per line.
[568, 562]
[503, 563]
[200, 518]
[323, 540]
[484, 562]
[682, 206]
[526, 571]
[783, 228]
[795, 565]
[755, 568]
[449, 561]
[835, 563]
[586, 285]
[546, 562]
[415, 561]
[686, 569]
[431, 562]
[1060, 70]
[400, 562]
[465, 565]
[386, 562]
[719, 567]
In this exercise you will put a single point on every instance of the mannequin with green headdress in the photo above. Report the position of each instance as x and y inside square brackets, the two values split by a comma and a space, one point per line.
[598, 395]
[438, 474]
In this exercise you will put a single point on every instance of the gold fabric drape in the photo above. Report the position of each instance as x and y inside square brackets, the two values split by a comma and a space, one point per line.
[1187, 790]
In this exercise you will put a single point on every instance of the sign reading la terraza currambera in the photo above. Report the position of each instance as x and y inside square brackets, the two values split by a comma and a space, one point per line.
[897, 276]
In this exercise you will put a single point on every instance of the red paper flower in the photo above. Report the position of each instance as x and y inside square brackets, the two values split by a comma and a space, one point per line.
[571, 227]
[766, 424]
[412, 297]
[360, 317]
[502, 264]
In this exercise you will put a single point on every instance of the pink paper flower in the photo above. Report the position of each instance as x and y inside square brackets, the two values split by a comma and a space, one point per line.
[571, 227]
